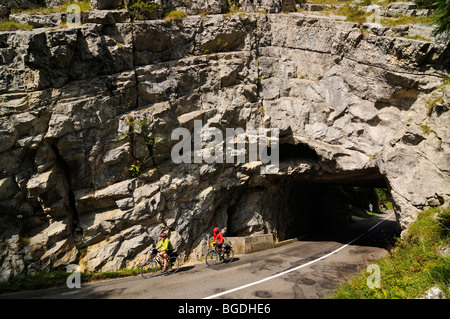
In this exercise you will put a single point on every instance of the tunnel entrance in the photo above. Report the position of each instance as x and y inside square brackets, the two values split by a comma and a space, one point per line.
[325, 198]
[297, 205]
[315, 208]
[291, 208]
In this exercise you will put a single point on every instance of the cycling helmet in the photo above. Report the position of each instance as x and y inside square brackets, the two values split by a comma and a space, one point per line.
[216, 229]
[163, 235]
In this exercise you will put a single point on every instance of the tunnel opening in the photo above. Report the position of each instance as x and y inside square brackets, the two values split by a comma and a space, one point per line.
[305, 205]
[309, 196]
[316, 208]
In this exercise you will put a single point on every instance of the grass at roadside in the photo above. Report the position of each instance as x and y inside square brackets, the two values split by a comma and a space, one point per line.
[58, 278]
[413, 265]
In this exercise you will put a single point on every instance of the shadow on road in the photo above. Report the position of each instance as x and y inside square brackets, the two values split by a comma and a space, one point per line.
[185, 268]
[383, 236]
[222, 265]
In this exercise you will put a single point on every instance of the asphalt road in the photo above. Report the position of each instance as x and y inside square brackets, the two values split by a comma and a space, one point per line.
[320, 265]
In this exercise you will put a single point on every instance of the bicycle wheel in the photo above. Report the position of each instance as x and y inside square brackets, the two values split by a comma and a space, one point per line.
[228, 256]
[212, 257]
[173, 264]
[149, 268]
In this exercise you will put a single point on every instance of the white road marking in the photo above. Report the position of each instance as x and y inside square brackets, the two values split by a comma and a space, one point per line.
[295, 268]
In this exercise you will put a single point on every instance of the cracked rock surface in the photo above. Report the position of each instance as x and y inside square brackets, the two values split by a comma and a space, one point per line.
[349, 106]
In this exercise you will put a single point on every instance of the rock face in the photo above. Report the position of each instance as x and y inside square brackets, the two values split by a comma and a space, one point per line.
[87, 113]
[209, 6]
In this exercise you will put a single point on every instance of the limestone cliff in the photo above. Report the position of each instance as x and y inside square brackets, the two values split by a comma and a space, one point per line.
[350, 106]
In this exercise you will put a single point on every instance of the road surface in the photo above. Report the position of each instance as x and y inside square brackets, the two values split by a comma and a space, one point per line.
[309, 269]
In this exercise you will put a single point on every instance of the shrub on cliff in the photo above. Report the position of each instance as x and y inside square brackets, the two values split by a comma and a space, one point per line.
[140, 9]
[425, 4]
[442, 17]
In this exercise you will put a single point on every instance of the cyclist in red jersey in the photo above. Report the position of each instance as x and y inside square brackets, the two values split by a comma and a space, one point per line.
[218, 235]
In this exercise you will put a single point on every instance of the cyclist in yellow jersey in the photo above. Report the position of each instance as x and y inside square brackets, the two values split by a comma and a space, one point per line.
[166, 248]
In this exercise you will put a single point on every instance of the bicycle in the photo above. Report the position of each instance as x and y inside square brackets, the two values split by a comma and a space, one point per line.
[151, 266]
[214, 255]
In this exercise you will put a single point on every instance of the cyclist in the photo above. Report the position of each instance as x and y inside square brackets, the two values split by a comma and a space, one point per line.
[218, 235]
[166, 248]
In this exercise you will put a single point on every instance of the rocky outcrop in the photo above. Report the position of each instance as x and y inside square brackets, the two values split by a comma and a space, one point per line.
[8, 6]
[191, 7]
[80, 106]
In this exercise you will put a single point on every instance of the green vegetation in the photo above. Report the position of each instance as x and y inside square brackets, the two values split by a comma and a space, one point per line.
[431, 103]
[139, 131]
[400, 20]
[262, 111]
[356, 200]
[425, 128]
[331, 2]
[442, 17]
[135, 169]
[417, 37]
[144, 9]
[233, 3]
[14, 26]
[425, 4]
[23, 242]
[413, 265]
[59, 277]
[139, 9]
[446, 82]
[232, 10]
[366, 2]
[83, 4]
[383, 197]
[353, 13]
[175, 15]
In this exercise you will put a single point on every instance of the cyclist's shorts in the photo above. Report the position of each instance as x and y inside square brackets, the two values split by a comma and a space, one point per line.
[171, 253]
